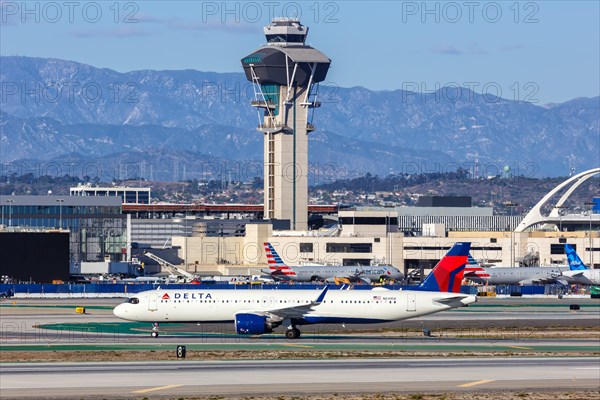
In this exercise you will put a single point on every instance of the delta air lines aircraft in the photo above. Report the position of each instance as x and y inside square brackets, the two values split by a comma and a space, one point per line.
[256, 312]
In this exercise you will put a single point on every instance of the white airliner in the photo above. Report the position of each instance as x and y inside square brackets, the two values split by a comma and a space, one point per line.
[575, 272]
[319, 272]
[256, 312]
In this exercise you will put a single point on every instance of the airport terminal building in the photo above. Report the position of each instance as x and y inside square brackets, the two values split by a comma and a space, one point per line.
[97, 227]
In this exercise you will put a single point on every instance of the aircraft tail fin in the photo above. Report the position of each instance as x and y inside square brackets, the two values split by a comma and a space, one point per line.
[471, 260]
[447, 275]
[274, 261]
[575, 263]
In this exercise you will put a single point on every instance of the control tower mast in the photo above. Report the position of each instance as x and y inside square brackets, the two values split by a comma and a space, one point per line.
[285, 74]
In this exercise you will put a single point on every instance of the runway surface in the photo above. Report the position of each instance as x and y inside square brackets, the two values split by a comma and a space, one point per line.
[52, 325]
[44, 324]
[84, 380]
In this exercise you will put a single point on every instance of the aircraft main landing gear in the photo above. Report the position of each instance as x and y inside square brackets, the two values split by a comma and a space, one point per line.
[292, 333]
[154, 332]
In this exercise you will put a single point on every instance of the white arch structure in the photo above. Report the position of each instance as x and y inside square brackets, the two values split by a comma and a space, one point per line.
[535, 215]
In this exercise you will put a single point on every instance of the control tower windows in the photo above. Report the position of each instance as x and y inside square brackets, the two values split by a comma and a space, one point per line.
[281, 38]
[271, 93]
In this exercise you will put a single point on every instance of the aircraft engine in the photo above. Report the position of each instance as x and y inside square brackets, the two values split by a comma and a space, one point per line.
[252, 324]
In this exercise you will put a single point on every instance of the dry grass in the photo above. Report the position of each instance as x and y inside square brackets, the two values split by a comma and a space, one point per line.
[199, 355]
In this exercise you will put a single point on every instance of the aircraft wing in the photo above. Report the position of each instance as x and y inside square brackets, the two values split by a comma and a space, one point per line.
[575, 273]
[562, 281]
[549, 279]
[297, 311]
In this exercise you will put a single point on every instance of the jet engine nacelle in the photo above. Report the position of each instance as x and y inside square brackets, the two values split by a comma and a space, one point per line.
[252, 324]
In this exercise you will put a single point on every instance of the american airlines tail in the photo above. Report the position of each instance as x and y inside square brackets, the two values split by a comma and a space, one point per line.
[447, 275]
[275, 262]
[575, 263]
[277, 268]
[474, 271]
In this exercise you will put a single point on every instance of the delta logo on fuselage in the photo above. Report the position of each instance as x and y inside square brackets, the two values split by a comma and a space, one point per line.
[188, 296]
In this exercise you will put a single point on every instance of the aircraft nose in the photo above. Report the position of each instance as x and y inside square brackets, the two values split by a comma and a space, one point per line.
[120, 311]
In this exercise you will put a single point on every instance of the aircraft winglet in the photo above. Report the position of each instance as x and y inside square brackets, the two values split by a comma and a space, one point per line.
[321, 297]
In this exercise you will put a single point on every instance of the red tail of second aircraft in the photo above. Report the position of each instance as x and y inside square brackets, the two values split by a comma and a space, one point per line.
[448, 273]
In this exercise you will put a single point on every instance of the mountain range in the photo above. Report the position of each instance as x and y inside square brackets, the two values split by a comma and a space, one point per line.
[176, 124]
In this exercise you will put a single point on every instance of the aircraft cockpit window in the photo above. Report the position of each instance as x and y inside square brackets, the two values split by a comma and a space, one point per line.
[133, 300]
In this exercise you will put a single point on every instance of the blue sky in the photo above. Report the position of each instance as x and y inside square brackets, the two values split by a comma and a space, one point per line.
[539, 51]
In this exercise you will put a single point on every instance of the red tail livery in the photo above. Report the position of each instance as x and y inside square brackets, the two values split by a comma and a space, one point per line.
[448, 273]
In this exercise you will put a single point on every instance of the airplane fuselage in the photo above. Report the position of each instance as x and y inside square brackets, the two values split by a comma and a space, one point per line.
[519, 275]
[340, 306]
[307, 273]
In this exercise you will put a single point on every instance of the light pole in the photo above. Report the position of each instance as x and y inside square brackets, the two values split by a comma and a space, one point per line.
[185, 232]
[560, 214]
[10, 212]
[60, 202]
[591, 204]
[511, 206]
[511, 245]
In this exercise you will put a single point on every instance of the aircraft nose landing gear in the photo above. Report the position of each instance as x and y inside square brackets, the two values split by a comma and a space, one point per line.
[154, 332]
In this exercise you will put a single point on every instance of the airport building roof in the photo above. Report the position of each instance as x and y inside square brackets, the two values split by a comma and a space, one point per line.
[23, 200]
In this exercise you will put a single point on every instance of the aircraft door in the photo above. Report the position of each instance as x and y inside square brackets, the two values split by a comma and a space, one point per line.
[152, 302]
[411, 302]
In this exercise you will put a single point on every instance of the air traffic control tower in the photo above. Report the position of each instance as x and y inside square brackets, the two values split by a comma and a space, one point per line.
[285, 75]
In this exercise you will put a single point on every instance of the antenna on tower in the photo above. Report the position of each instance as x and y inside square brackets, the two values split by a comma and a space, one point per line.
[572, 168]
[143, 169]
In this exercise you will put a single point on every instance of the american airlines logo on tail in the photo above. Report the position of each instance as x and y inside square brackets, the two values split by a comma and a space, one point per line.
[275, 262]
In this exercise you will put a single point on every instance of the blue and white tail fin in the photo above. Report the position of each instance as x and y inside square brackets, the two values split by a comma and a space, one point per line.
[447, 275]
[471, 260]
[575, 263]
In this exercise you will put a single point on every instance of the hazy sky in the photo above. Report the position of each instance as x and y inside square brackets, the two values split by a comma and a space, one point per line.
[540, 51]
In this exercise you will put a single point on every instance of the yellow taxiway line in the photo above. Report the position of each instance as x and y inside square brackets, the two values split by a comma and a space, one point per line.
[481, 382]
[297, 345]
[154, 389]
[520, 347]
